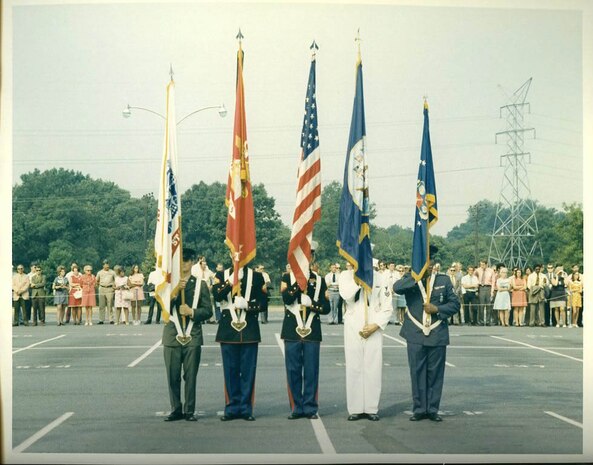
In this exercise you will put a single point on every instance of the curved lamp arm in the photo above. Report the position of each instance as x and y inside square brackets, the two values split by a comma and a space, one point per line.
[128, 112]
[221, 112]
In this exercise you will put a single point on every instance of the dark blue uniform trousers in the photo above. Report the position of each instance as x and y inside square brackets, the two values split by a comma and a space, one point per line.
[302, 375]
[239, 362]
[427, 371]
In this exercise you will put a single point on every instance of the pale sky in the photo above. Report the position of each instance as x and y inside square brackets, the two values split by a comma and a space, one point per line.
[75, 67]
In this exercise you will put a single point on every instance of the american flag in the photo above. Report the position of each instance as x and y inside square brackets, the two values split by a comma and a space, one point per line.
[308, 198]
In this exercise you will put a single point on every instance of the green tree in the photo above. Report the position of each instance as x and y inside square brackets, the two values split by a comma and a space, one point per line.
[569, 232]
[63, 210]
[326, 229]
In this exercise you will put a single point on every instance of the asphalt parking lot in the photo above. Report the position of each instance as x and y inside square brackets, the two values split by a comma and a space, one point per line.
[102, 390]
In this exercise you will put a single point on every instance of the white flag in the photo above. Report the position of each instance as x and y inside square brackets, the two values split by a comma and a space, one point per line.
[167, 238]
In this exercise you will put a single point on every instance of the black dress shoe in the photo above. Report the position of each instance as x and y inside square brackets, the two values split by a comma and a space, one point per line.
[418, 417]
[356, 416]
[294, 416]
[227, 417]
[373, 417]
[191, 417]
[100, 323]
[174, 416]
[248, 418]
[313, 416]
[434, 417]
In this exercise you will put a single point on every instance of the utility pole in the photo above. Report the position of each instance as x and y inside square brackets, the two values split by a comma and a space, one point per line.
[513, 241]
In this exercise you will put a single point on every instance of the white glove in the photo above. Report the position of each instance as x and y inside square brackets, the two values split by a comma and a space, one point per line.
[240, 303]
[306, 300]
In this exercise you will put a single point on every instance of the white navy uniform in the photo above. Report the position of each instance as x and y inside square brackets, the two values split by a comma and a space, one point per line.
[364, 357]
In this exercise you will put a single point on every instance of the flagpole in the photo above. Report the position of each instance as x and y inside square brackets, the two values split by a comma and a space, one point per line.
[240, 58]
[180, 230]
[366, 306]
[428, 288]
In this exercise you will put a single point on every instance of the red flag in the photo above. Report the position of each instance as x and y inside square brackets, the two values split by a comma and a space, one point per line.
[240, 226]
[308, 200]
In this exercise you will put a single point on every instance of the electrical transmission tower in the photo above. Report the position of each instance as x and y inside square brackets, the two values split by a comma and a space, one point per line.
[513, 241]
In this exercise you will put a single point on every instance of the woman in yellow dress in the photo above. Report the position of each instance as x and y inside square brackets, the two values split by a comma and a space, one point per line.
[576, 297]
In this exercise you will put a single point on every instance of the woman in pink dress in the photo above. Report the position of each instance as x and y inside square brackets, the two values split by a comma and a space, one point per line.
[89, 283]
[74, 303]
[136, 284]
[519, 296]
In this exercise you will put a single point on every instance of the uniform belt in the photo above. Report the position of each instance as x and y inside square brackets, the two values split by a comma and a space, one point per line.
[111, 285]
[485, 285]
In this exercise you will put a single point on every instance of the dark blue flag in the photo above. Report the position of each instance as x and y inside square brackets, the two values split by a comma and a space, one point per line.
[426, 205]
[354, 242]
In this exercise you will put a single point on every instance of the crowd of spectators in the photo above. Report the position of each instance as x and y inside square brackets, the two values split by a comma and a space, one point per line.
[492, 296]
[535, 296]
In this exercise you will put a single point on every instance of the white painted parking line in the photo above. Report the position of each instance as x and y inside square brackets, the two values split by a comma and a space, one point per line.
[145, 354]
[538, 348]
[42, 432]
[37, 343]
[567, 420]
[403, 343]
[320, 432]
[90, 348]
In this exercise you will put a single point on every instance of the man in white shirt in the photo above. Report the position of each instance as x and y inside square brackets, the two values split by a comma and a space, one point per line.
[333, 288]
[469, 292]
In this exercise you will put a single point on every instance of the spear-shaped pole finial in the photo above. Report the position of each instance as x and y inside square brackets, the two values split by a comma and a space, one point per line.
[171, 71]
[425, 98]
[357, 40]
[239, 37]
[314, 47]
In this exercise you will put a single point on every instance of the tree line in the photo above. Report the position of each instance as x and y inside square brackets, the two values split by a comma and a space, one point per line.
[60, 216]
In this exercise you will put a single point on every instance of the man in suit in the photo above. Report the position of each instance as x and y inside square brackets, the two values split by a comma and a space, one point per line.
[238, 334]
[266, 296]
[153, 280]
[20, 296]
[38, 282]
[301, 332]
[426, 331]
[189, 308]
[487, 282]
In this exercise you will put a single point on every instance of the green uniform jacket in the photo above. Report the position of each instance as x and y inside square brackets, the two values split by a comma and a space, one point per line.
[221, 290]
[320, 307]
[202, 313]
